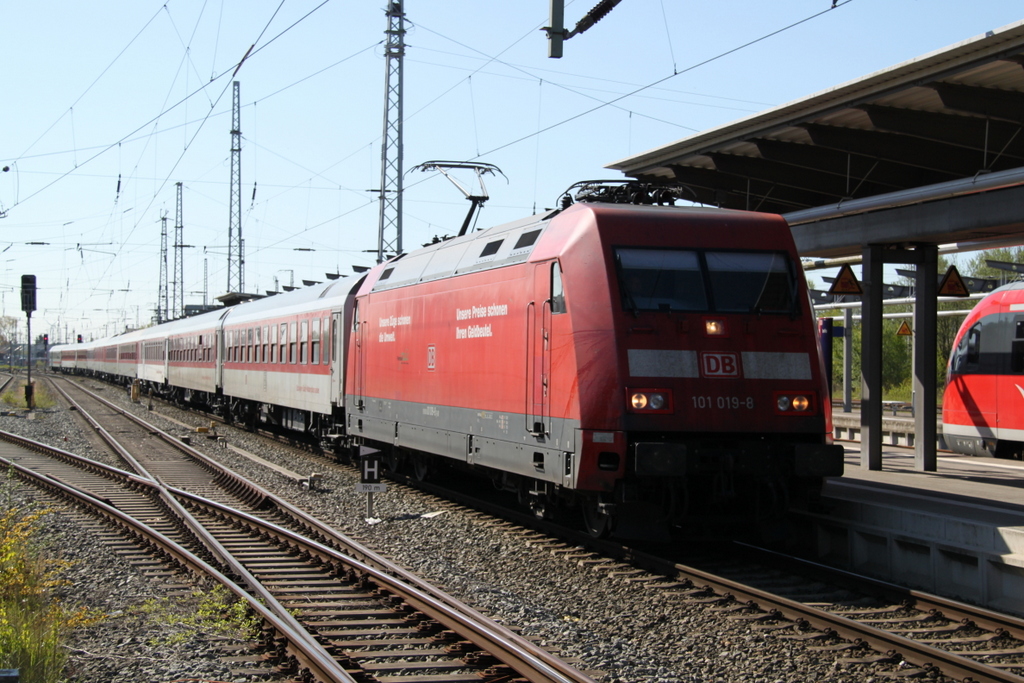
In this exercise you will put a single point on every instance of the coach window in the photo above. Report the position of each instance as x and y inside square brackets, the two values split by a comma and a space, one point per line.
[273, 343]
[293, 340]
[266, 342]
[557, 293]
[303, 340]
[282, 356]
[314, 343]
[326, 345]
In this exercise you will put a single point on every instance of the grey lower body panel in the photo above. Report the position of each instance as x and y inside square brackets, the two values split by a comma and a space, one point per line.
[495, 439]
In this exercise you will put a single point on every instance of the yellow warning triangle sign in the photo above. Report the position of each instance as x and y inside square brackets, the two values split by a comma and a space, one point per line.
[904, 330]
[952, 284]
[845, 282]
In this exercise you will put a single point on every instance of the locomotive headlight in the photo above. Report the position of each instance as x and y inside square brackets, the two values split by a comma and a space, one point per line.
[794, 404]
[649, 400]
[714, 328]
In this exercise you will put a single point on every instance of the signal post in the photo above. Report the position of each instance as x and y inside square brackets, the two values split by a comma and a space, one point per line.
[28, 304]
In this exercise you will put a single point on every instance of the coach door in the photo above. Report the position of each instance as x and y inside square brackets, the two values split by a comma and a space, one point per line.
[546, 298]
[219, 358]
[337, 351]
[359, 357]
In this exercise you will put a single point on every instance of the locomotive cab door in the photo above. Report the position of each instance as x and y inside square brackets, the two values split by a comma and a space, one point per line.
[547, 301]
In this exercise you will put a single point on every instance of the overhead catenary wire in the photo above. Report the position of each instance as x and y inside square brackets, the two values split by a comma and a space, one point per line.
[251, 53]
[669, 77]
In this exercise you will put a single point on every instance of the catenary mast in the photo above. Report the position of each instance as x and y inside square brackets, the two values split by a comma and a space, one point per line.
[389, 239]
[161, 298]
[236, 257]
[178, 305]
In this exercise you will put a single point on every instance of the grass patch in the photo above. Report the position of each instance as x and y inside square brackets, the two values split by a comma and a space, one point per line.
[33, 621]
[41, 396]
[218, 613]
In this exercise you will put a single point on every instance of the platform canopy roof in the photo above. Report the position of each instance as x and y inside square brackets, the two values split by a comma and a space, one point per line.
[949, 116]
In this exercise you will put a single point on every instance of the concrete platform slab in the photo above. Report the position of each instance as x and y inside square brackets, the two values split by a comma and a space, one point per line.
[957, 532]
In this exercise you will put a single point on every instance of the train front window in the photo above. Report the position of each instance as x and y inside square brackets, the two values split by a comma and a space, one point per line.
[750, 282]
[661, 280]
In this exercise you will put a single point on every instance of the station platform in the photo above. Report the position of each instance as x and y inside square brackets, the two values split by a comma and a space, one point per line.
[957, 532]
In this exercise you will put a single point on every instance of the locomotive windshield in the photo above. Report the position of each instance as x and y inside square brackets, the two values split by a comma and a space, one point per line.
[705, 281]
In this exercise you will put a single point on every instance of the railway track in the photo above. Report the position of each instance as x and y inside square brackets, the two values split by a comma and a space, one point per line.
[860, 622]
[336, 611]
[858, 619]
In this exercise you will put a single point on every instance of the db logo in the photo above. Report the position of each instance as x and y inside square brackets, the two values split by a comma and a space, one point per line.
[714, 364]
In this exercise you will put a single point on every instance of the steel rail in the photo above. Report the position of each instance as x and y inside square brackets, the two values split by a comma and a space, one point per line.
[202, 535]
[531, 661]
[920, 654]
[954, 610]
[238, 486]
[298, 642]
[952, 664]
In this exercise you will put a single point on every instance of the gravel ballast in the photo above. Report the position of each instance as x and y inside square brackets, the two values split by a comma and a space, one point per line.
[619, 630]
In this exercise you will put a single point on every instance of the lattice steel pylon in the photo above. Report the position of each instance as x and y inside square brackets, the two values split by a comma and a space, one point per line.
[236, 257]
[161, 297]
[389, 237]
[178, 298]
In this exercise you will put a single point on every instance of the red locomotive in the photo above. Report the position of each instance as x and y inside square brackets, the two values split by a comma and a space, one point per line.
[630, 361]
[981, 408]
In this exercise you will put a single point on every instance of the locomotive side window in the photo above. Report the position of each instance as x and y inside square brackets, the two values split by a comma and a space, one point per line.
[557, 293]
[753, 282]
[527, 239]
[1017, 348]
[973, 355]
[491, 248]
[661, 279]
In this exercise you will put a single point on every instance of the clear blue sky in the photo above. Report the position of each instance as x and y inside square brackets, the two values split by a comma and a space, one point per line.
[94, 92]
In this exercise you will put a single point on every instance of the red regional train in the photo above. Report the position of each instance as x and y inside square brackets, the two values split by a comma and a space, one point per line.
[982, 407]
[627, 361]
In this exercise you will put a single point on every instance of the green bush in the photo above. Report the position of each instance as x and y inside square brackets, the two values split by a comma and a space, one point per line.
[33, 622]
